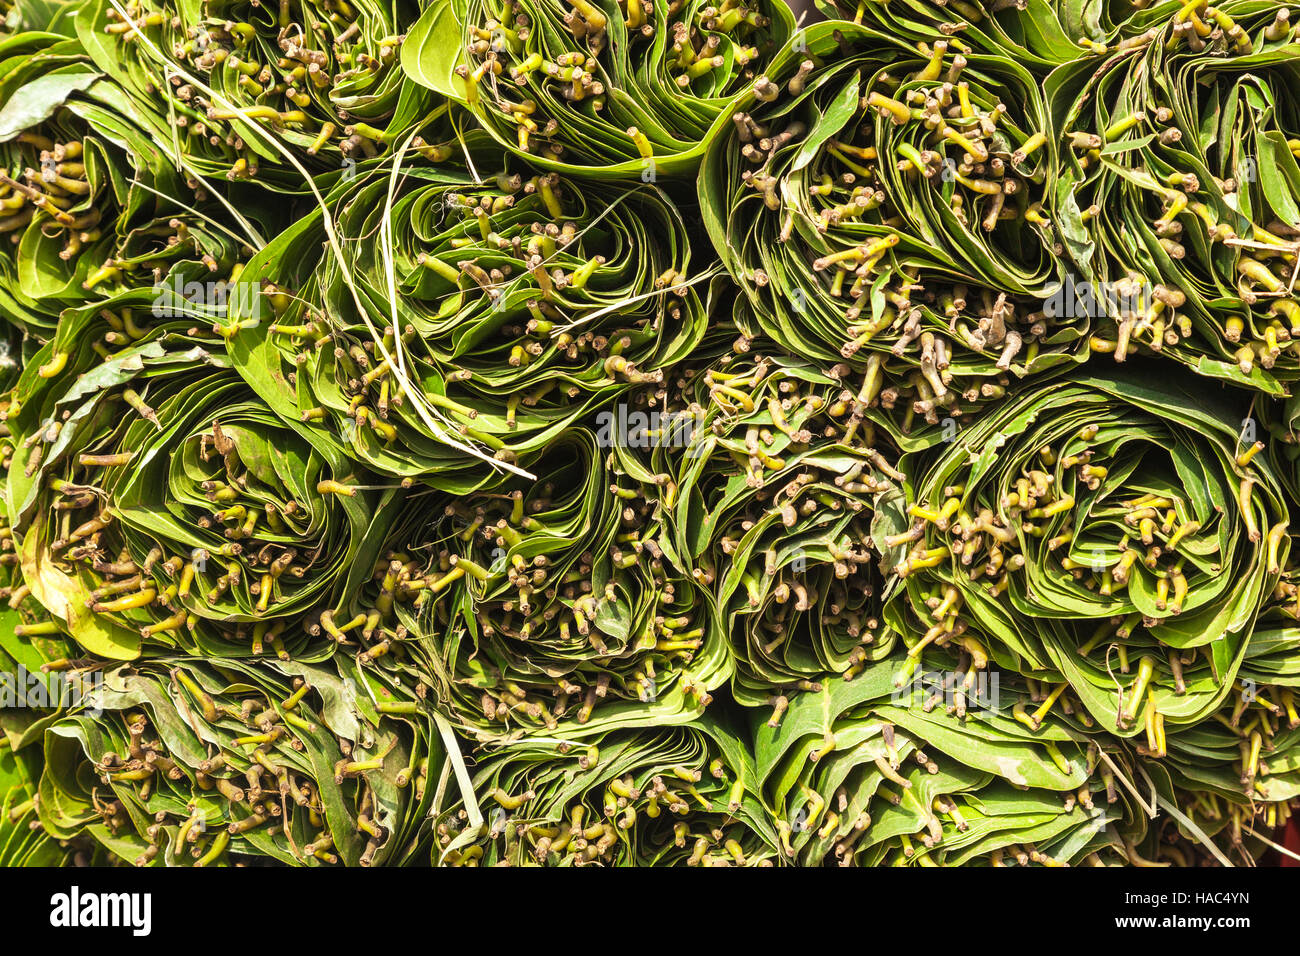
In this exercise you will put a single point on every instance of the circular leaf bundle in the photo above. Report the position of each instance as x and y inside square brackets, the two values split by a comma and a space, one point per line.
[515, 307]
[884, 204]
[551, 605]
[1103, 535]
[194, 765]
[235, 79]
[160, 501]
[776, 497]
[861, 774]
[623, 89]
[1246, 762]
[680, 796]
[89, 204]
[23, 842]
[1180, 188]
[1040, 35]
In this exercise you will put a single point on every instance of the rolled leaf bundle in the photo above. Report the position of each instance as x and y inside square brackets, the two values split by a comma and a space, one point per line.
[240, 85]
[679, 796]
[863, 774]
[883, 204]
[1197, 824]
[616, 89]
[485, 320]
[199, 765]
[89, 203]
[1179, 189]
[161, 502]
[39, 684]
[22, 840]
[554, 605]
[1252, 758]
[1240, 771]
[775, 505]
[1039, 35]
[1108, 535]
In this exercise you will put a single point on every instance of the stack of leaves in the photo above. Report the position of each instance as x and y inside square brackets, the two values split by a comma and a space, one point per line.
[934, 773]
[552, 606]
[159, 502]
[777, 493]
[648, 433]
[90, 204]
